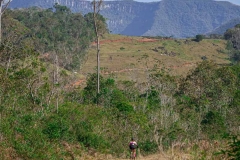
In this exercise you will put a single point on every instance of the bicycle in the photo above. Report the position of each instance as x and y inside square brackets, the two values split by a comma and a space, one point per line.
[133, 154]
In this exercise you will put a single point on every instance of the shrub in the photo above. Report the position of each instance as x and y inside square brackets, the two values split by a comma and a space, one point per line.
[94, 141]
[55, 129]
[122, 48]
[233, 151]
[199, 38]
[88, 138]
[213, 125]
[124, 107]
[148, 147]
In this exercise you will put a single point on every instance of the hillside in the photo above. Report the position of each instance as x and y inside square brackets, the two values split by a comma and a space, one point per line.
[222, 29]
[42, 119]
[131, 57]
[178, 98]
[185, 18]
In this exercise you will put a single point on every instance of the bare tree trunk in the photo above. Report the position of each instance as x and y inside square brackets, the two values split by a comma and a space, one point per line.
[2, 9]
[1, 5]
[56, 79]
[96, 10]
[1, 12]
[98, 66]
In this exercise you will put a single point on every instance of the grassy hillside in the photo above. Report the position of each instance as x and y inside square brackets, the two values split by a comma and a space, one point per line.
[128, 58]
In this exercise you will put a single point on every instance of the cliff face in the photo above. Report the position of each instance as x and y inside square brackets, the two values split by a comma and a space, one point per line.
[178, 18]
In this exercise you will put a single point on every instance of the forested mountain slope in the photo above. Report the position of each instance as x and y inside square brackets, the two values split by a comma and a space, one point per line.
[223, 28]
[178, 18]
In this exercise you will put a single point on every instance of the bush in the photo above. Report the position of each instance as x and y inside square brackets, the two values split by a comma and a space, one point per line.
[233, 151]
[199, 38]
[124, 107]
[122, 48]
[149, 147]
[213, 125]
[88, 138]
[94, 141]
[55, 129]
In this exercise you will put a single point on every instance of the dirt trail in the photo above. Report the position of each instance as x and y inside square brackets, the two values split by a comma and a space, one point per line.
[176, 156]
[151, 157]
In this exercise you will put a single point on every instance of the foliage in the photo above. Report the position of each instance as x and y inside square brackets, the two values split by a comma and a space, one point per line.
[38, 115]
[109, 96]
[204, 96]
[101, 25]
[233, 150]
[54, 32]
[148, 147]
[233, 37]
[55, 128]
[199, 37]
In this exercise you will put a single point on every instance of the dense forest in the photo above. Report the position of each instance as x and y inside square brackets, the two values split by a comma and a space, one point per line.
[41, 117]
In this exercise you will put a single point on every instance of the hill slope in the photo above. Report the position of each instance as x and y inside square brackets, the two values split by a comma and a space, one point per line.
[222, 29]
[184, 18]
[131, 57]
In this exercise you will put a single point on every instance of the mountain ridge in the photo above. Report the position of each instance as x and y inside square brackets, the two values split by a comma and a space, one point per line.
[180, 19]
[222, 29]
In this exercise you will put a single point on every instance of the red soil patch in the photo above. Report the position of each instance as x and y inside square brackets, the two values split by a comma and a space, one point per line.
[76, 84]
[126, 40]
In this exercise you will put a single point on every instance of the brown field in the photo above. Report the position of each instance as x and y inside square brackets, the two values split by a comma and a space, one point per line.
[131, 58]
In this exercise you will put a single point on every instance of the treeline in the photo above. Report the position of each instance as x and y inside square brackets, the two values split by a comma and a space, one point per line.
[42, 118]
[55, 33]
[233, 37]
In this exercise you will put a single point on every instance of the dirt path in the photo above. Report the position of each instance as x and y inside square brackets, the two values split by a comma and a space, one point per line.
[177, 156]
[152, 157]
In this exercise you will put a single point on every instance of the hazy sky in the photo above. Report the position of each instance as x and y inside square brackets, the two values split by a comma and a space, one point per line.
[232, 1]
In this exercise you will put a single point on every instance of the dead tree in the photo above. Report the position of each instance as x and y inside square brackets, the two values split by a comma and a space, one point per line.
[96, 9]
[3, 5]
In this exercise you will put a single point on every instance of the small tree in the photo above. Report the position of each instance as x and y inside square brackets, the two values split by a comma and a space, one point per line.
[199, 37]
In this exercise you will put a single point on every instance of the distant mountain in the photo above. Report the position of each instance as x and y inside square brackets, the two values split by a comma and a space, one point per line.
[222, 29]
[178, 18]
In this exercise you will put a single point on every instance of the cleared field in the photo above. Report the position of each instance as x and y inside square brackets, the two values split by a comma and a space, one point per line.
[132, 58]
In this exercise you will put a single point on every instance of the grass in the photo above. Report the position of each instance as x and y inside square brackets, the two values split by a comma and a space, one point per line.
[126, 56]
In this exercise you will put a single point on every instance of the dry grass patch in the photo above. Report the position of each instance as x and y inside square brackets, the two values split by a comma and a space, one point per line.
[124, 55]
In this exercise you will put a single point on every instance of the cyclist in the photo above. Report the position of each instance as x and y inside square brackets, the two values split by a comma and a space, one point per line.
[133, 147]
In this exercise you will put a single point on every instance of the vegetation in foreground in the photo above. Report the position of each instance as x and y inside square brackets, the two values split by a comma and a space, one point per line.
[43, 118]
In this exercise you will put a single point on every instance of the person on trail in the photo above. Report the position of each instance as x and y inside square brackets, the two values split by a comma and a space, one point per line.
[133, 147]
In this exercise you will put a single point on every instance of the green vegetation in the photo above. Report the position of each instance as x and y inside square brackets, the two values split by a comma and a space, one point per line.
[42, 117]
[199, 37]
[233, 36]
[233, 148]
[59, 35]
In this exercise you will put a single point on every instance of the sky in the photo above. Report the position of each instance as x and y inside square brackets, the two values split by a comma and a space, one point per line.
[232, 1]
